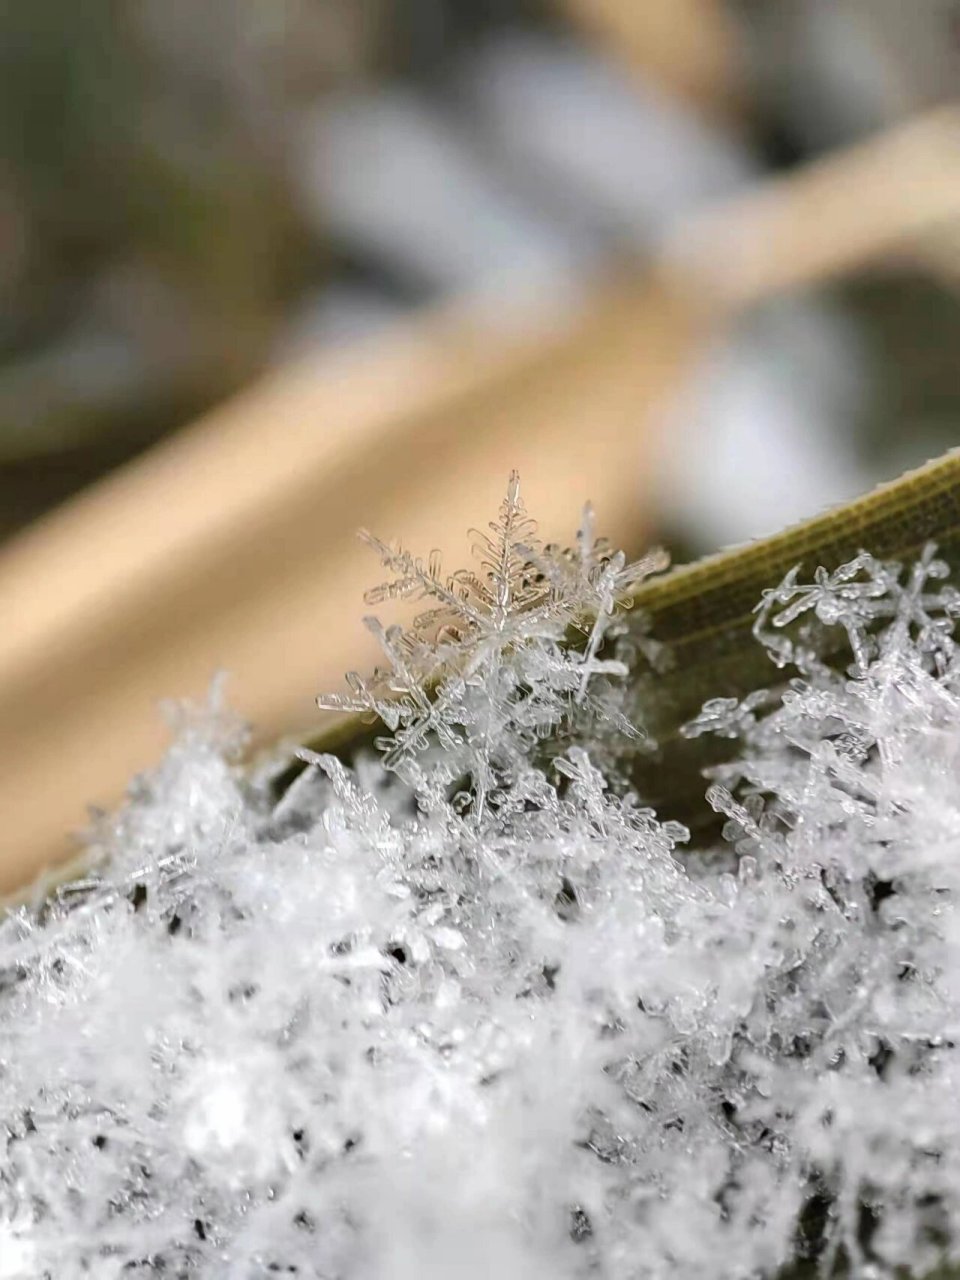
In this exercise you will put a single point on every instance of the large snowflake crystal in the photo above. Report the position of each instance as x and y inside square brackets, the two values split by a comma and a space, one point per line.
[487, 669]
[463, 1010]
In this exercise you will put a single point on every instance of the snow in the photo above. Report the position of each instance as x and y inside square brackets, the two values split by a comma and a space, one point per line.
[471, 1008]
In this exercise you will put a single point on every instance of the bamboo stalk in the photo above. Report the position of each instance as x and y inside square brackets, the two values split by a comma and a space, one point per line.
[860, 205]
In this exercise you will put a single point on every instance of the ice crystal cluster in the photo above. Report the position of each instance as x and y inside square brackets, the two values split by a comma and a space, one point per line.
[469, 1009]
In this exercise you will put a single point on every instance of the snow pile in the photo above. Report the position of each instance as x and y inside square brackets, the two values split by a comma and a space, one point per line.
[470, 1010]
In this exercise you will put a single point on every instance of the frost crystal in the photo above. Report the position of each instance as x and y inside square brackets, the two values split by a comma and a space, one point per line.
[465, 1010]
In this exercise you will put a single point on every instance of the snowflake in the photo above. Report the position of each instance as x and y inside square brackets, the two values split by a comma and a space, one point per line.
[856, 597]
[485, 672]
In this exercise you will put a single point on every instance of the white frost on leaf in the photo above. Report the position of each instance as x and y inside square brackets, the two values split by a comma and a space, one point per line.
[470, 1009]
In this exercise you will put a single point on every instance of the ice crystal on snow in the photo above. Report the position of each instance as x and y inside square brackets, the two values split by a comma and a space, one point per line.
[486, 670]
[468, 1008]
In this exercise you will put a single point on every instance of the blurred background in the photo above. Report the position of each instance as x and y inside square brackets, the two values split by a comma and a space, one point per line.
[274, 269]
